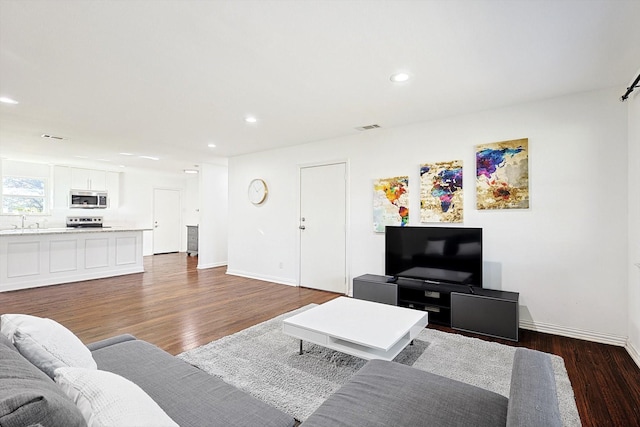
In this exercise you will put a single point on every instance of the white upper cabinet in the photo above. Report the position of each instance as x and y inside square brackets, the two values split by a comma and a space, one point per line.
[113, 188]
[88, 179]
[61, 186]
[67, 178]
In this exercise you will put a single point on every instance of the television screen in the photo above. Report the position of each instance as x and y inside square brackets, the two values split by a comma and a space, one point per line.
[438, 254]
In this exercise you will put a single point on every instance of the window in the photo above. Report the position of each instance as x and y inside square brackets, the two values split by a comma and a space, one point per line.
[24, 195]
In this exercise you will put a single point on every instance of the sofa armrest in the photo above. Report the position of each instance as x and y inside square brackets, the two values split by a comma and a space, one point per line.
[110, 341]
[533, 400]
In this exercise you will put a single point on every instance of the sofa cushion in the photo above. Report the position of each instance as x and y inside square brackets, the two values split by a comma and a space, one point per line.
[7, 342]
[110, 341]
[46, 343]
[533, 399]
[106, 399]
[188, 395]
[29, 397]
[390, 394]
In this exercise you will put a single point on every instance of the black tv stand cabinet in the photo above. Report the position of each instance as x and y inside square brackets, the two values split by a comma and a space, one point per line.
[472, 309]
[429, 296]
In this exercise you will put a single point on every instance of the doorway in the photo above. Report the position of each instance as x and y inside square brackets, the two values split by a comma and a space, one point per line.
[166, 221]
[323, 227]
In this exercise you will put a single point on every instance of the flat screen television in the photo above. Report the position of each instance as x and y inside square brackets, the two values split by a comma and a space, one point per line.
[435, 254]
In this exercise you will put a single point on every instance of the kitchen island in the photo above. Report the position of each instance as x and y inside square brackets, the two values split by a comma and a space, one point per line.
[40, 257]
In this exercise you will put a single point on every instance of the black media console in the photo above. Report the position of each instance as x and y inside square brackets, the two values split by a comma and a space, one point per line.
[479, 310]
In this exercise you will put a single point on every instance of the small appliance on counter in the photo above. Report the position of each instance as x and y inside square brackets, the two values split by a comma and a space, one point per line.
[88, 199]
[84, 221]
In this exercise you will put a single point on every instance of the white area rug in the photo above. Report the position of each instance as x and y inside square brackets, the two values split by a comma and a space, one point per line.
[265, 363]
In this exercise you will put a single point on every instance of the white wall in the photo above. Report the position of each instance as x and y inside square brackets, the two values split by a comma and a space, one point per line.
[192, 200]
[212, 233]
[566, 255]
[633, 343]
[136, 201]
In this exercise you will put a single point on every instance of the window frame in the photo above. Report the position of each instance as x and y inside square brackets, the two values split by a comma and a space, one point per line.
[46, 197]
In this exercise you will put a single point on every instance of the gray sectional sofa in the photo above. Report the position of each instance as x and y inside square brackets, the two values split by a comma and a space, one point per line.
[191, 397]
[380, 394]
[390, 394]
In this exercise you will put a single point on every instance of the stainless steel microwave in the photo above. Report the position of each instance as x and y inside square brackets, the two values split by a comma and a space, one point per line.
[88, 199]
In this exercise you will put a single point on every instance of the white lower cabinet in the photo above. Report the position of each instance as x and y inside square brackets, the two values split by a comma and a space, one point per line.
[32, 259]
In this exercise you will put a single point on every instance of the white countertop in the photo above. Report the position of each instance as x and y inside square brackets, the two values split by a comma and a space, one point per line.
[67, 230]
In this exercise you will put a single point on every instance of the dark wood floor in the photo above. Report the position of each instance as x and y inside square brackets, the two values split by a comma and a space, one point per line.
[177, 307]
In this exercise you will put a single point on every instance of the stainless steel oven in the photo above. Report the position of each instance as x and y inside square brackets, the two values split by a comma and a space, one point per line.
[88, 199]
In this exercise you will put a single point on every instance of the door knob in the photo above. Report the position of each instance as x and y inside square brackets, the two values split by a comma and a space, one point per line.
[302, 227]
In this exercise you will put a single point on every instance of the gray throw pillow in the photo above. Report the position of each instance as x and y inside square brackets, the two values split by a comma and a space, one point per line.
[29, 397]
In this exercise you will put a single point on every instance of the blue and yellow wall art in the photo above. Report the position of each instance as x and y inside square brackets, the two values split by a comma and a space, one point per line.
[441, 196]
[502, 175]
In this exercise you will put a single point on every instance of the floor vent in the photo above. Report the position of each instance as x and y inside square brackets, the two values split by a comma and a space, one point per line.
[368, 127]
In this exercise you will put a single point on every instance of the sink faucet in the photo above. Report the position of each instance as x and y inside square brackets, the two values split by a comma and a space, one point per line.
[24, 218]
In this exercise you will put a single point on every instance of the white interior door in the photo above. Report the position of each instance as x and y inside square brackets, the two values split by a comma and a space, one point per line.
[166, 221]
[323, 231]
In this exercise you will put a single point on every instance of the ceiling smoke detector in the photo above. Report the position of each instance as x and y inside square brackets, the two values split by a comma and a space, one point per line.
[368, 127]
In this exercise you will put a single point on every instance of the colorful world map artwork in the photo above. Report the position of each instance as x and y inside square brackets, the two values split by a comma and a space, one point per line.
[441, 196]
[502, 175]
[390, 202]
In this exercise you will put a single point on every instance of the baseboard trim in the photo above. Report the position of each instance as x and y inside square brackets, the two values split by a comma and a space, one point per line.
[71, 278]
[212, 265]
[574, 333]
[633, 352]
[272, 279]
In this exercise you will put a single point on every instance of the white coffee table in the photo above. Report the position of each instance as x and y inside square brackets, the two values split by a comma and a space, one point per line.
[365, 329]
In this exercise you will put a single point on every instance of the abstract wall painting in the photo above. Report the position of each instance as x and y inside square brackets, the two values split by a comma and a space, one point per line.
[502, 175]
[390, 202]
[441, 196]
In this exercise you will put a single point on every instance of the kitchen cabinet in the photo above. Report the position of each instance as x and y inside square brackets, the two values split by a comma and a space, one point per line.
[88, 179]
[61, 187]
[40, 257]
[113, 188]
[67, 178]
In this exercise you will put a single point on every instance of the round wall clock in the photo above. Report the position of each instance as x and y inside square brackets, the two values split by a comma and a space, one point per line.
[258, 191]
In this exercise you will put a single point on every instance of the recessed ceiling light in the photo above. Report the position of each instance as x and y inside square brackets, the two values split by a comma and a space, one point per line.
[125, 154]
[399, 77]
[211, 145]
[190, 171]
[250, 119]
[149, 157]
[7, 100]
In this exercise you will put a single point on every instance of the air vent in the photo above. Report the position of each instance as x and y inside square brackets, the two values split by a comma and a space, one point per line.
[368, 127]
[44, 135]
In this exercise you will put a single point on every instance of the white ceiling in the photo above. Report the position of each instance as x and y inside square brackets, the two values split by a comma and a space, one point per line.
[165, 78]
